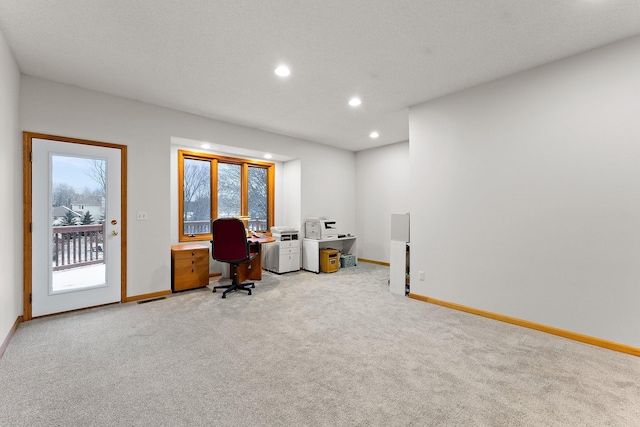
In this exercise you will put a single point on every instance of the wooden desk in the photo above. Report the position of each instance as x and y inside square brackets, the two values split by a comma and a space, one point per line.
[189, 267]
[253, 270]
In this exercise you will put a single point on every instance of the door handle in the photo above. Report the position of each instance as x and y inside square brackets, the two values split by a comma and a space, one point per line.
[114, 233]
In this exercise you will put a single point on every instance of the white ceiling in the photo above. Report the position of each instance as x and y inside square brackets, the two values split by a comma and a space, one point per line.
[216, 57]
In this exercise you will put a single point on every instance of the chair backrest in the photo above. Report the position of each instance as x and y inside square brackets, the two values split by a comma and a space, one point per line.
[229, 242]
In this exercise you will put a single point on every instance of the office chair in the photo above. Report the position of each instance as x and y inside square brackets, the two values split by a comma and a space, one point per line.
[230, 245]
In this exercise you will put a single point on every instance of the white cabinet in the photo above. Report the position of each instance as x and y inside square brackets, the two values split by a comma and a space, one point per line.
[282, 256]
[399, 266]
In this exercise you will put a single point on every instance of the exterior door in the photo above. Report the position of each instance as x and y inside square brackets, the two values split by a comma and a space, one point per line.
[76, 232]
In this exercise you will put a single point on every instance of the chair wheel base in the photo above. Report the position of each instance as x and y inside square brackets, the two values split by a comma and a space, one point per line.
[235, 287]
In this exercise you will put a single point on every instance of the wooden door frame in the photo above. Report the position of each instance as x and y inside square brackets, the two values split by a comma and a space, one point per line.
[27, 182]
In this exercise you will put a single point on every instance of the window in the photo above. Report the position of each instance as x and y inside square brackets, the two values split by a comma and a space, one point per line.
[211, 186]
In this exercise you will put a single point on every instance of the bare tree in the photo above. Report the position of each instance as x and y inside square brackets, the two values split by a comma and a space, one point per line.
[98, 173]
[228, 189]
[90, 192]
[197, 190]
[258, 193]
[63, 194]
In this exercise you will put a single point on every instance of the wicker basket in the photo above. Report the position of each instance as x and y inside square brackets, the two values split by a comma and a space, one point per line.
[347, 260]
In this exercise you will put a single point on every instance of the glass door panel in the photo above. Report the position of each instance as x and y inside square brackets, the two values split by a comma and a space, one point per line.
[78, 199]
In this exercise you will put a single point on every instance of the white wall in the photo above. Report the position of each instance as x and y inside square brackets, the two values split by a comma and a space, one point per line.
[10, 193]
[59, 109]
[526, 195]
[382, 189]
[328, 187]
[292, 192]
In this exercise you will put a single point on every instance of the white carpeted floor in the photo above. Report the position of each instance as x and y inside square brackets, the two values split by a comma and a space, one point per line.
[306, 350]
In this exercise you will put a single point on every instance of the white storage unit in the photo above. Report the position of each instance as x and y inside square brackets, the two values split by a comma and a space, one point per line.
[282, 256]
[399, 267]
[311, 250]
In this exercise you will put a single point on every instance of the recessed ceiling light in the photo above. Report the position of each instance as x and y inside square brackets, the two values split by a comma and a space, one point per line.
[355, 101]
[268, 156]
[205, 146]
[282, 71]
[374, 134]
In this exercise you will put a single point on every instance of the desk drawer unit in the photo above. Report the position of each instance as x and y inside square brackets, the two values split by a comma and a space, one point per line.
[283, 256]
[189, 267]
[289, 259]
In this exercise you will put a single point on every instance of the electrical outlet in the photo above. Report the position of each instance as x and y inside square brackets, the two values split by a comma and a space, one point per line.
[142, 216]
[421, 275]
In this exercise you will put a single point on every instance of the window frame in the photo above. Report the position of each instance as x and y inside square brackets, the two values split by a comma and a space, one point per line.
[214, 159]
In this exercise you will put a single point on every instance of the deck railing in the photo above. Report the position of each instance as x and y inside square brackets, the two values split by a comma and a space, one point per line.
[258, 225]
[77, 245]
[204, 227]
[197, 227]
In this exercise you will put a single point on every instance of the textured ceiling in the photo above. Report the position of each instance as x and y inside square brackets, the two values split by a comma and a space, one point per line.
[216, 58]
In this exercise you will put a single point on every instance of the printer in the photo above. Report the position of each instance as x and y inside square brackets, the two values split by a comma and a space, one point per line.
[284, 254]
[320, 229]
[283, 233]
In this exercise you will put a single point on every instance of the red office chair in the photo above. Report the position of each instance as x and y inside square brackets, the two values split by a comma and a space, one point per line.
[230, 245]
